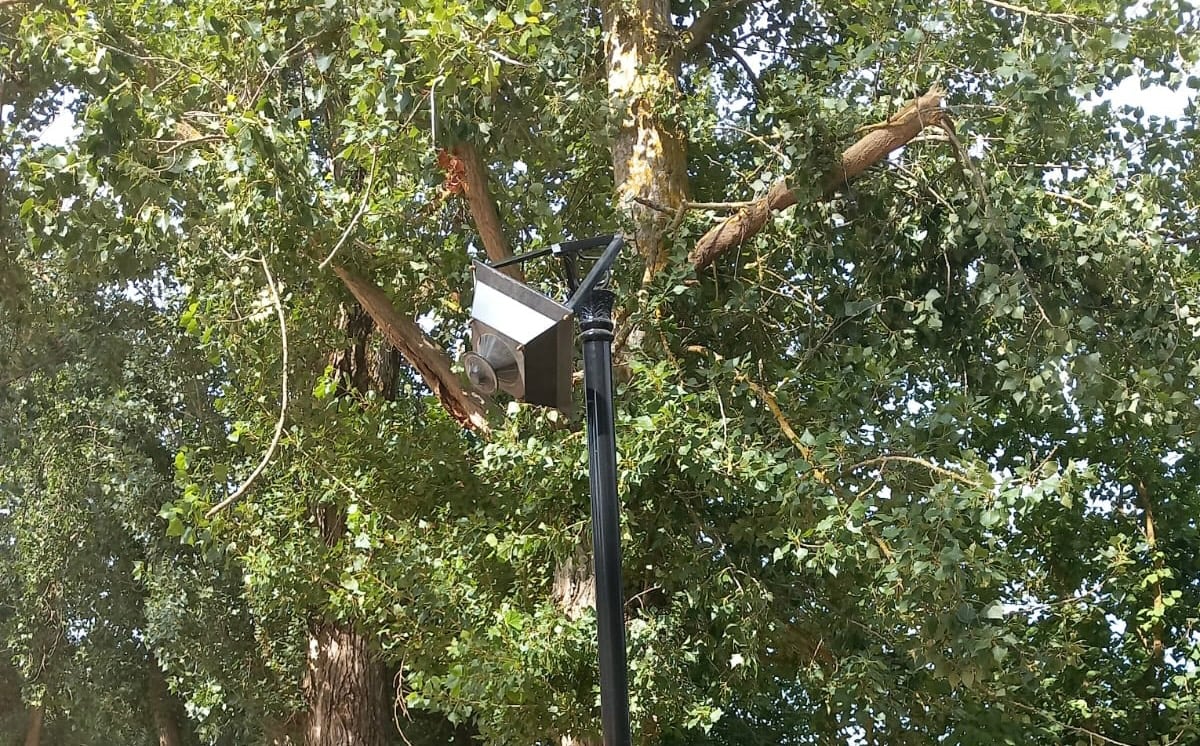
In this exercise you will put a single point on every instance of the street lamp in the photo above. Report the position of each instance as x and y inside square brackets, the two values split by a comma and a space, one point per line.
[520, 343]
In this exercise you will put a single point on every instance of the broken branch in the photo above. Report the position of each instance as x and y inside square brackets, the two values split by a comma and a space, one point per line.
[483, 209]
[873, 147]
[420, 352]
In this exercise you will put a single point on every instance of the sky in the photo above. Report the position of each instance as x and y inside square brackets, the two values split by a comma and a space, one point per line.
[1156, 99]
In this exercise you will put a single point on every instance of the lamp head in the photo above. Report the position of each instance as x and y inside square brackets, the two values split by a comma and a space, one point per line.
[521, 342]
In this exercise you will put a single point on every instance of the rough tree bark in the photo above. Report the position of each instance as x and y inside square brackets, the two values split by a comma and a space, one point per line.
[33, 730]
[483, 209]
[346, 689]
[649, 156]
[882, 139]
[345, 685]
[162, 707]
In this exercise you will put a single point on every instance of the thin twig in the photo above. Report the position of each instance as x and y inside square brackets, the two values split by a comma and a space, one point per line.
[1071, 200]
[972, 171]
[506, 58]
[1058, 17]
[283, 399]
[362, 208]
[174, 145]
[279, 63]
[755, 138]
[399, 705]
[1068, 726]
[754, 81]
[885, 460]
[156, 58]
[686, 205]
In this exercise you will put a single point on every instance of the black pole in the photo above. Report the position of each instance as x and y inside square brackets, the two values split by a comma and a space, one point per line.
[595, 322]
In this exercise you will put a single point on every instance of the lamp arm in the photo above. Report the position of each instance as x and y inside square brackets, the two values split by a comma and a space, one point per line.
[564, 248]
[598, 272]
[521, 258]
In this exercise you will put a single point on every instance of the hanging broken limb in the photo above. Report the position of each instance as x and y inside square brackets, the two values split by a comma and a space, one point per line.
[420, 352]
[879, 140]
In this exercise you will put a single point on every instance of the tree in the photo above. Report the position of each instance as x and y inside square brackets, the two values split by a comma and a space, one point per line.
[905, 433]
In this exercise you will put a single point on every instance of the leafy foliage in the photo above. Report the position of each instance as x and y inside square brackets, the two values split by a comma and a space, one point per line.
[913, 464]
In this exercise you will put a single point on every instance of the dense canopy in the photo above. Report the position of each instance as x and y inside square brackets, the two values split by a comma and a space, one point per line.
[908, 371]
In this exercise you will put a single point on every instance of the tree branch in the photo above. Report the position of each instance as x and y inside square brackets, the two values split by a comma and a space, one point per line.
[1022, 10]
[929, 465]
[483, 208]
[702, 29]
[1157, 649]
[420, 352]
[874, 146]
[283, 400]
[362, 208]
[754, 81]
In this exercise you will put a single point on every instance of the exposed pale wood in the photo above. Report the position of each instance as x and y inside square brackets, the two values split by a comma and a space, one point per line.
[574, 588]
[870, 149]
[420, 352]
[649, 156]
[483, 209]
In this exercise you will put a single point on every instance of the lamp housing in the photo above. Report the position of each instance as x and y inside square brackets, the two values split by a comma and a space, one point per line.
[521, 342]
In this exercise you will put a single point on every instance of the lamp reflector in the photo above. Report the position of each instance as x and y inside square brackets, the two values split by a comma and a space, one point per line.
[521, 342]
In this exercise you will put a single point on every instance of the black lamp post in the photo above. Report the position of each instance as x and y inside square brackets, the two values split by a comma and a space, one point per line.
[520, 340]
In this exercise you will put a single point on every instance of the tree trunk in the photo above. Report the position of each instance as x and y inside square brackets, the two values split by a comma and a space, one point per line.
[574, 588]
[649, 156]
[574, 591]
[166, 721]
[345, 685]
[285, 731]
[346, 689]
[649, 167]
[33, 731]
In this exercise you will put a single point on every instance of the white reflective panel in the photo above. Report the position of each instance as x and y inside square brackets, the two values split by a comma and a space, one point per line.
[516, 320]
